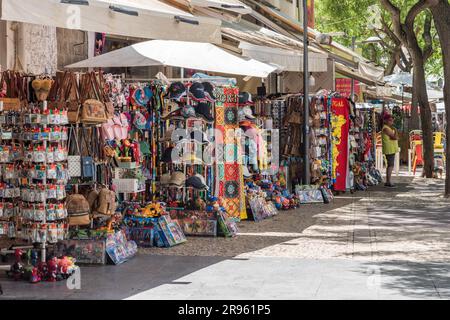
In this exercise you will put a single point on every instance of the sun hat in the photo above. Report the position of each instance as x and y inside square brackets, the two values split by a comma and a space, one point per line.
[178, 178]
[197, 91]
[176, 91]
[197, 181]
[165, 178]
[209, 91]
[245, 98]
[203, 110]
[169, 109]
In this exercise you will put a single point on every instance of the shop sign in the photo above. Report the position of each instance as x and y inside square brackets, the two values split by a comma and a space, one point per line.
[344, 87]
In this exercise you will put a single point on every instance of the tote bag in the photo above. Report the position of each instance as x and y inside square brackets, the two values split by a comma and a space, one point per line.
[74, 160]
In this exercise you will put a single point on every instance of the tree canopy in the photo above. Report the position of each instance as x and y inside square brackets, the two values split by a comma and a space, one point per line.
[355, 18]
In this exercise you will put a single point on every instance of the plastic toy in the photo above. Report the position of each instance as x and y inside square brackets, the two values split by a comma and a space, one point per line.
[17, 269]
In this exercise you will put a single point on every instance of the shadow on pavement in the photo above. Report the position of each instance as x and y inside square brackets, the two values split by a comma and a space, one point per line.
[112, 282]
[406, 279]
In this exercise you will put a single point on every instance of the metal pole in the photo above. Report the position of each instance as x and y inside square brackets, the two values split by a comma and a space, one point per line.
[352, 93]
[306, 165]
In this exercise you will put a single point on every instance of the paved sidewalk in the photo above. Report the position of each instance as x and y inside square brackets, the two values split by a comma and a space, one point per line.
[390, 244]
[407, 224]
[379, 244]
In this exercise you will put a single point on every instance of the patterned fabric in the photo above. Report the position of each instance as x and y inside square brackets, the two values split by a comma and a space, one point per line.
[230, 184]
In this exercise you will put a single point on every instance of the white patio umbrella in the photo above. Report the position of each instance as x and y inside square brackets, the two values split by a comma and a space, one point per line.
[192, 55]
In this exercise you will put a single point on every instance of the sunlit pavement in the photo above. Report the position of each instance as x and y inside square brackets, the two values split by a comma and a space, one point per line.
[391, 244]
[386, 244]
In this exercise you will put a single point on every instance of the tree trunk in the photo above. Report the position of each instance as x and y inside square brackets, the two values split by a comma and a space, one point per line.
[414, 123]
[441, 16]
[420, 89]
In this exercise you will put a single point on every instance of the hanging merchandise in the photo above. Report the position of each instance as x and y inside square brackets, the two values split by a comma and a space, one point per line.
[229, 180]
[34, 174]
[340, 125]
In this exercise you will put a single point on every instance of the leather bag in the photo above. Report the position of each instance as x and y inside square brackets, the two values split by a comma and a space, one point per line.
[106, 202]
[93, 110]
[78, 210]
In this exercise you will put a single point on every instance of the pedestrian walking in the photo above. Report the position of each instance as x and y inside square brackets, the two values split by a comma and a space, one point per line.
[389, 137]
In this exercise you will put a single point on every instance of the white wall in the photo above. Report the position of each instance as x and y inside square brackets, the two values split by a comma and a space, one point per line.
[38, 48]
[28, 47]
[6, 45]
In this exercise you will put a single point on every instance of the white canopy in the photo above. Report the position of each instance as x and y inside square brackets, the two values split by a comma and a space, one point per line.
[192, 55]
[288, 60]
[148, 19]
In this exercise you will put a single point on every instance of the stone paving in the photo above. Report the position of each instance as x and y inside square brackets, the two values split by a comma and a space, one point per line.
[409, 226]
[379, 244]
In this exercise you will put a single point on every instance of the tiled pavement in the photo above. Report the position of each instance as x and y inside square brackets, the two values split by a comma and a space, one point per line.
[382, 245]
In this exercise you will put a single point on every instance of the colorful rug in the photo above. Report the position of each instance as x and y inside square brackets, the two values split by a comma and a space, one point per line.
[229, 182]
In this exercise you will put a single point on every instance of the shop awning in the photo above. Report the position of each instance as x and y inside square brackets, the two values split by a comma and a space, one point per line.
[370, 71]
[192, 55]
[230, 5]
[148, 19]
[348, 72]
[288, 60]
[272, 47]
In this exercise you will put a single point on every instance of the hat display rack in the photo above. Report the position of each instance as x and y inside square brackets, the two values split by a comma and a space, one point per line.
[33, 162]
[191, 150]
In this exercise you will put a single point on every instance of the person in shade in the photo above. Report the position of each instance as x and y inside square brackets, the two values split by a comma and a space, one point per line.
[389, 136]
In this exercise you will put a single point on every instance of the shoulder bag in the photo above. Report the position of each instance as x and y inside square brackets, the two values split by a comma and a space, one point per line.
[74, 160]
[87, 167]
[71, 93]
[93, 110]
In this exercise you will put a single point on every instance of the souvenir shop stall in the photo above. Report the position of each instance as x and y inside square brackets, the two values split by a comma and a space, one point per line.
[34, 162]
[342, 148]
[107, 164]
[362, 148]
[280, 116]
[265, 180]
[197, 173]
